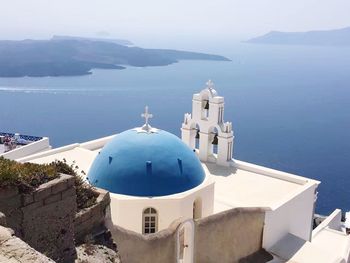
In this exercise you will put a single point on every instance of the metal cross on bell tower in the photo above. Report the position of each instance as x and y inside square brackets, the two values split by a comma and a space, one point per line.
[210, 84]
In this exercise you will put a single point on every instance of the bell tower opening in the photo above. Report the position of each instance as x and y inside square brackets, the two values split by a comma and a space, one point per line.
[214, 141]
[205, 109]
[197, 138]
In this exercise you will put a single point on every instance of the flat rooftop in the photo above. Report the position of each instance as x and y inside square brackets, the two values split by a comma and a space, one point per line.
[244, 185]
[81, 154]
[328, 246]
[82, 157]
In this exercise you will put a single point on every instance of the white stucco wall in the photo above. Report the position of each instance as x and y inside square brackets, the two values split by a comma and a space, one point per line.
[29, 149]
[126, 211]
[97, 144]
[333, 221]
[292, 216]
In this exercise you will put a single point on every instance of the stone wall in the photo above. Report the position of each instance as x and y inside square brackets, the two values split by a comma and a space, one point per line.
[13, 249]
[154, 248]
[91, 220]
[44, 218]
[231, 236]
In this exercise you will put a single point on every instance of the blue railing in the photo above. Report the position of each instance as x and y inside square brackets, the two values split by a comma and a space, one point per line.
[22, 136]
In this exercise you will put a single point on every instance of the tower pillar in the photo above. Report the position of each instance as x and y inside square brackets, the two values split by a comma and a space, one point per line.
[225, 150]
[203, 146]
[188, 137]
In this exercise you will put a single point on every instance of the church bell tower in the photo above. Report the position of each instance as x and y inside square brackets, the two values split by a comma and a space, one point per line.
[205, 129]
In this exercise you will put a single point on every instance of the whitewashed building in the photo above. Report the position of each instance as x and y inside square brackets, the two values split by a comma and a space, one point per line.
[155, 178]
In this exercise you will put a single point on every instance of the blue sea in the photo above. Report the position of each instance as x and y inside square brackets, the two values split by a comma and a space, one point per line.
[290, 107]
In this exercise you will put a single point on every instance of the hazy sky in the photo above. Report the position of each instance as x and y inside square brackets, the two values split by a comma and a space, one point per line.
[162, 21]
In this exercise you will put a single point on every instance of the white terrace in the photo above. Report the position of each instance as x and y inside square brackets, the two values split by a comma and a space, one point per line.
[244, 185]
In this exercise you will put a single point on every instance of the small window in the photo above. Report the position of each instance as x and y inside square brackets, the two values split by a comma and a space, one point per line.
[150, 221]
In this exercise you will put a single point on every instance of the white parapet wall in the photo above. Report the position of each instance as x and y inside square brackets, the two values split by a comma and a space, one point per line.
[90, 145]
[333, 221]
[294, 216]
[331, 236]
[48, 152]
[271, 172]
[29, 149]
[97, 144]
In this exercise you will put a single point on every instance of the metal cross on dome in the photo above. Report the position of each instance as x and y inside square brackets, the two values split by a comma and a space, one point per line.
[146, 115]
[146, 128]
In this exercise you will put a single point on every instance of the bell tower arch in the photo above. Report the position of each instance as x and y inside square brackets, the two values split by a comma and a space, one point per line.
[215, 136]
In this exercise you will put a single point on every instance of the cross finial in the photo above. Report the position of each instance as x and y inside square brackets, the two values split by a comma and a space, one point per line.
[146, 115]
[210, 84]
[146, 127]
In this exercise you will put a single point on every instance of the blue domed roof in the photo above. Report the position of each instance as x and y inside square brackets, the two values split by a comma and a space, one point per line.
[146, 164]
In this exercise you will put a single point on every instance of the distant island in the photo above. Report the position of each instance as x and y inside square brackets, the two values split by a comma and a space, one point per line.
[338, 37]
[73, 56]
[112, 40]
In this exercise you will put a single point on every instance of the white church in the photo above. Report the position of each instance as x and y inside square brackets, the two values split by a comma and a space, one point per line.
[155, 178]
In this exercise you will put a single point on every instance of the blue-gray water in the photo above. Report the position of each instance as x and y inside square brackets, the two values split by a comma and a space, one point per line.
[290, 107]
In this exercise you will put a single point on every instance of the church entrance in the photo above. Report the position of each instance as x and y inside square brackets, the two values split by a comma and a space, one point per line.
[185, 242]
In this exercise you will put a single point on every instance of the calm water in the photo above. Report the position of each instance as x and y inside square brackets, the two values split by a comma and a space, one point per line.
[290, 107]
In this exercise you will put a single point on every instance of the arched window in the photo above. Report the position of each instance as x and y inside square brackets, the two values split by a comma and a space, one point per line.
[150, 221]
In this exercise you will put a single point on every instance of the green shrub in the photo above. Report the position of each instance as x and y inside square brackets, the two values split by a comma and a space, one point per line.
[86, 196]
[28, 176]
[25, 176]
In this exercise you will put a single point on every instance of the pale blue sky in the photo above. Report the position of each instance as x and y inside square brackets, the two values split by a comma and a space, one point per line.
[162, 21]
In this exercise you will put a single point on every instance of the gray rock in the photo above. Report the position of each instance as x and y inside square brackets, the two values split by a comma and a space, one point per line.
[14, 250]
[88, 253]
